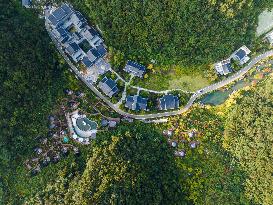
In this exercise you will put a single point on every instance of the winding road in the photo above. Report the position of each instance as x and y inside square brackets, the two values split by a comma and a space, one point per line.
[196, 95]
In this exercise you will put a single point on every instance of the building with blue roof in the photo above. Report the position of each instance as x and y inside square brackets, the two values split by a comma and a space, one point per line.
[26, 3]
[101, 50]
[241, 55]
[168, 102]
[61, 34]
[75, 51]
[223, 67]
[108, 86]
[136, 103]
[135, 68]
[87, 62]
[60, 15]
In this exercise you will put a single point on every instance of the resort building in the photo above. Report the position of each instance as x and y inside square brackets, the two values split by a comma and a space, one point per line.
[80, 41]
[75, 51]
[83, 127]
[60, 15]
[136, 103]
[241, 55]
[168, 102]
[135, 69]
[223, 67]
[108, 86]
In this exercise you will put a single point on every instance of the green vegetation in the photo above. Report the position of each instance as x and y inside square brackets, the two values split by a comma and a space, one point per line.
[129, 167]
[165, 78]
[132, 164]
[208, 175]
[33, 79]
[249, 136]
[175, 32]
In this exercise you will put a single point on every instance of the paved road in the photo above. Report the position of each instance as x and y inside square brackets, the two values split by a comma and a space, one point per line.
[196, 95]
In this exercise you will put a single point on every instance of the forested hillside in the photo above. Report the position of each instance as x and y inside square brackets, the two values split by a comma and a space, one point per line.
[249, 137]
[30, 82]
[188, 32]
[132, 165]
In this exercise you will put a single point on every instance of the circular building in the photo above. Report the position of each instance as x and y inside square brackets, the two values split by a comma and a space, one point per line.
[84, 127]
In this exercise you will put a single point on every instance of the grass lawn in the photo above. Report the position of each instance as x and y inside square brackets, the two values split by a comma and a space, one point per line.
[172, 79]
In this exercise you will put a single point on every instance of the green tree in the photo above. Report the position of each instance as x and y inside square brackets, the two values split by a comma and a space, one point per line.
[249, 137]
[129, 167]
[188, 32]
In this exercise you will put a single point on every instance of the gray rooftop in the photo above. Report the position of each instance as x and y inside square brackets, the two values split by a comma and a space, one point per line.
[135, 68]
[136, 103]
[168, 102]
[108, 86]
[59, 14]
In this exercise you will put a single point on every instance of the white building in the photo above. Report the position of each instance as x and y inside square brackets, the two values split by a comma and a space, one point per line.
[223, 67]
[241, 55]
[84, 127]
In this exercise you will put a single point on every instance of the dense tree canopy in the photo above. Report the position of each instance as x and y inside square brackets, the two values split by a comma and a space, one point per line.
[129, 167]
[176, 31]
[30, 81]
[249, 137]
[133, 164]
[207, 173]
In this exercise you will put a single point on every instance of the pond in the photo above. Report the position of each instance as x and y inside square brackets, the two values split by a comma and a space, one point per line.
[220, 96]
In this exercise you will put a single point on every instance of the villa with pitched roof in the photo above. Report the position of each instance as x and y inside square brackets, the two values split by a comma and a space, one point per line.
[223, 67]
[168, 102]
[135, 69]
[60, 15]
[241, 55]
[75, 51]
[108, 86]
[136, 102]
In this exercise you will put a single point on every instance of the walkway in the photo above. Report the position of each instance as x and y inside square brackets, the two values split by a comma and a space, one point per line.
[196, 95]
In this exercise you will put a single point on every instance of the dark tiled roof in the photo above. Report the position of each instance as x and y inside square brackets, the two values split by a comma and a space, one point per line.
[80, 16]
[93, 31]
[141, 103]
[129, 102]
[73, 48]
[136, 103]
[227, 67]
[53, 20]
[95, 52]
[135, 68]
[86, 61]
[108, 86]
[240, 54]
[61, 31]
[168, 102]
[65, 38]
[66, 8]
[101, 50]
[110, 83]
[59, 14]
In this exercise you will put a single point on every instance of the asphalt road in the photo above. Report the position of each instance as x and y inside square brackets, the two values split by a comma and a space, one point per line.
[196, 95]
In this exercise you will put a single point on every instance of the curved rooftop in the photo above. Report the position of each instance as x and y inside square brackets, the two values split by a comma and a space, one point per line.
[85, 124]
